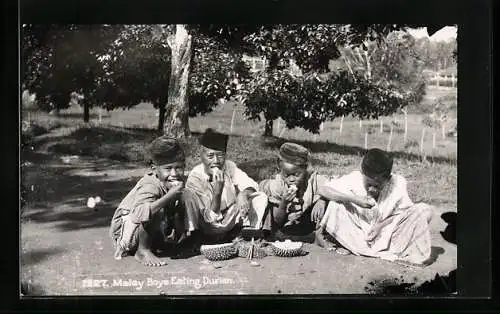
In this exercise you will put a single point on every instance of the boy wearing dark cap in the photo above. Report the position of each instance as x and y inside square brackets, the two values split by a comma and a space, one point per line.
[295, 207]
[219, 197]
[388, 225]
[151, 213]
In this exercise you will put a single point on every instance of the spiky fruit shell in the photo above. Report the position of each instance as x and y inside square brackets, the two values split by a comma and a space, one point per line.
[287, 248]
[243, 249]
[219, 252]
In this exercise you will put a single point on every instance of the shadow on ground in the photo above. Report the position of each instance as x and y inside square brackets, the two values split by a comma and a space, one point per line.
[326, 147]
[30, 289]
[36, 256]
[115, 143]
[56, 192]
[440, 285]
[79, 115]
[127, 144]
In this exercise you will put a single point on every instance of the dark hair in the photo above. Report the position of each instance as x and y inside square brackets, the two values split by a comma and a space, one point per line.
[164, 150]
[377, 163]
[294, 153]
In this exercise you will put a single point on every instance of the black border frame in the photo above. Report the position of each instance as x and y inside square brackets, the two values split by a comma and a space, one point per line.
[475, 149]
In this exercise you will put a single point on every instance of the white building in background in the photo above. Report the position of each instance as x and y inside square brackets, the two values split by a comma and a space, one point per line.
[258, 64]
[255, 63]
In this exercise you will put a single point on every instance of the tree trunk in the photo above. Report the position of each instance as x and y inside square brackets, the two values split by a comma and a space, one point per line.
[161, 118]
[177, 109]
[268, 131]
[86, 112]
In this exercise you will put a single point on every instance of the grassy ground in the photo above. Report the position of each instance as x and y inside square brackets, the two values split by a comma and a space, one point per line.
[63, 241]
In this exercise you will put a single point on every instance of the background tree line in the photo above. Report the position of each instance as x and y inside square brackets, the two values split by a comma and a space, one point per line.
[183, 70]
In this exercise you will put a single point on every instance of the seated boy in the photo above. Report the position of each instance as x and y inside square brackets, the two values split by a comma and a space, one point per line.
[371, 214]
[219, 197]
[295, 208]
[152, 212]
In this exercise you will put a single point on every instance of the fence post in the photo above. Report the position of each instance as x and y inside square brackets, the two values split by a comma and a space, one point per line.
[406, 127]
[232, 120]
[381, 125]
[366, 140]
[422, 141]
[390, 137]
[341, 123]
[434, 139]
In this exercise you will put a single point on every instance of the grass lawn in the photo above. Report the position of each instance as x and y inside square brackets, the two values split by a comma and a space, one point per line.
[63, 241]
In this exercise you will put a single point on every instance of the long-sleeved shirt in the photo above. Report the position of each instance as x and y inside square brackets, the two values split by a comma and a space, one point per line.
[276, 187]
[235, 181]
[393, 197]
[138, 201]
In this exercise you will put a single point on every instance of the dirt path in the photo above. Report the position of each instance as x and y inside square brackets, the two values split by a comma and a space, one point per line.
[64, 243]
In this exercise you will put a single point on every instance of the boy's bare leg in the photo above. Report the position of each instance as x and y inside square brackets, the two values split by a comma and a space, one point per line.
[146, 233]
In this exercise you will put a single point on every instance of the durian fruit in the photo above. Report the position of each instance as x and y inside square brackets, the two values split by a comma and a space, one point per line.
[244, 247]
[219, 252]
[287, 248]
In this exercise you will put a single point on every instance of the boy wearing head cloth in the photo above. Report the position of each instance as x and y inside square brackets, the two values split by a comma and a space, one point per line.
[294, 203]
[151, 213]
[384, 222]
[219, 197]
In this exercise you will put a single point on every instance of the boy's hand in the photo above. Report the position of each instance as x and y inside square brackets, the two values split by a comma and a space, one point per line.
[293, 218]
[290, 194]
[242, 204]
[365, 202]
[317, 213]
[176, 189]
[373, 233]
[217, 181]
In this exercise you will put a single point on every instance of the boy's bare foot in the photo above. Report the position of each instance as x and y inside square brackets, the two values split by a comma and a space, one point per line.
[147, 258]
[321, 241]
[342, 251]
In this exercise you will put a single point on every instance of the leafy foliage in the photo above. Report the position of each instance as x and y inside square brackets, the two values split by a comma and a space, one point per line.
[136, 69]
[394, 63]
[437, 55]
[217, 72]
[387, 77]
[120, 66]
[59, 60]
[308, 101]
